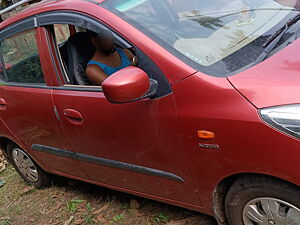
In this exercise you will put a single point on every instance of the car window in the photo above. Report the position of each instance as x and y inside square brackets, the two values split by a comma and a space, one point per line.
[62, 33]
[21, 58]
[217, 37]
[74, 55]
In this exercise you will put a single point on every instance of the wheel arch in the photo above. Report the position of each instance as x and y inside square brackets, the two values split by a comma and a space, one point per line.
[223, 186]
[4, 141]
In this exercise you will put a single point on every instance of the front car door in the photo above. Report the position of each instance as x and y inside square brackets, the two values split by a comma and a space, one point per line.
[135, 146]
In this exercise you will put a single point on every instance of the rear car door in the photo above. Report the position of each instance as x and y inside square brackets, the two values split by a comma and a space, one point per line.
[25, 96]
[135, 146]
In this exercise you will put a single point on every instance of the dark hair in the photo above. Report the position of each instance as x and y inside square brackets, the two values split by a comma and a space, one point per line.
[82, 41]
[101, 35]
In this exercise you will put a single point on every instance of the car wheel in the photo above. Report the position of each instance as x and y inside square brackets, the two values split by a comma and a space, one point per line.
[27, 168]
[262, 201]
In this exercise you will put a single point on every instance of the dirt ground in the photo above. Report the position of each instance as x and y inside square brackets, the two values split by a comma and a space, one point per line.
[69, 202]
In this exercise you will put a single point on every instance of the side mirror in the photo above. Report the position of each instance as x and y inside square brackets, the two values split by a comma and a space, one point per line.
[128, 85]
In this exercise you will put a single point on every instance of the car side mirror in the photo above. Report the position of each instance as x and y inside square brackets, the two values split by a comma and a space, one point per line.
[128, 85]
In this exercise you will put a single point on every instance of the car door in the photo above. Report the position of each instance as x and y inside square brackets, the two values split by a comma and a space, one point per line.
[135, 146]
[25, 97]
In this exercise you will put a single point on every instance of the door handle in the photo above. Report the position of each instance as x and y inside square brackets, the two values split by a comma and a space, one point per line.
[2, 104]
[73, 116]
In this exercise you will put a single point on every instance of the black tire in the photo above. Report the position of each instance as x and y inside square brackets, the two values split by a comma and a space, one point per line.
[43, 179]
[247, 189]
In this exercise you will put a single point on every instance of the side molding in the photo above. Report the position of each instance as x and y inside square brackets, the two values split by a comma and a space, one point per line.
[106, 162]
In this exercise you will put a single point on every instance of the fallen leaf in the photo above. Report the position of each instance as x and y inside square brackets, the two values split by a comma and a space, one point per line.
[137, 212]
[103, 208]
[5, 218]
[82, 204]
[83, 210]
[57, 206]
[101, 219]
[78, 222]
[69, 220]
[58, 194]
[27, 189]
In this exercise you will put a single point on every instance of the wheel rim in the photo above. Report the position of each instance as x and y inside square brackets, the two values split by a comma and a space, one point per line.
[270, 211]
[25, 165]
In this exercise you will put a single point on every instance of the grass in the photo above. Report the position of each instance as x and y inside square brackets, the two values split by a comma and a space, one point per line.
[68, 202]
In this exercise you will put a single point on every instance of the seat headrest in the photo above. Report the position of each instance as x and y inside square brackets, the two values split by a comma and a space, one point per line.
[82, 42]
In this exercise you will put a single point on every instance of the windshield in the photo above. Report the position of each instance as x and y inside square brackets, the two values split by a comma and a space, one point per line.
[217, 37]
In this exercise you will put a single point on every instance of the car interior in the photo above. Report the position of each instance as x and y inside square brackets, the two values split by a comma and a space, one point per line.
[75, 53]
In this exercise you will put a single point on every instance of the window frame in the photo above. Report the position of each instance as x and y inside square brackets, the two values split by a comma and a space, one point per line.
[88, 22]
[28, 24]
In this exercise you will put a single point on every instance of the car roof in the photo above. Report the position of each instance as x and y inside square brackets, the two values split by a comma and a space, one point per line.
[49, 5]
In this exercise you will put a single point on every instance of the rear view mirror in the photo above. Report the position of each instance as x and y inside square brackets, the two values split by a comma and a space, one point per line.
[128, 85]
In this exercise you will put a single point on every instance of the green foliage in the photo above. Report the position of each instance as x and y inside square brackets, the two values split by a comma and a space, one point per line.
[88, 219]
[89, 208]
[27, 71]
[160, 218]
[72, 204]
[117, 218]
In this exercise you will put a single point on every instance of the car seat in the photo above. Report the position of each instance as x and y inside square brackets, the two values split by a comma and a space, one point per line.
[76, 53]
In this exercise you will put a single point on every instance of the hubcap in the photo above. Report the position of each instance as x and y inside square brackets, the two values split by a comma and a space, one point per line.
[25, 165]
[270, 211]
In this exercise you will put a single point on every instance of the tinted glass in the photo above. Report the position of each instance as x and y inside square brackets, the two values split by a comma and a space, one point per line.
[218, 37]
[21, 58]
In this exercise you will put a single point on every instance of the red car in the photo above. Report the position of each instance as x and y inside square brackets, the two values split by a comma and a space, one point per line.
[209, 120]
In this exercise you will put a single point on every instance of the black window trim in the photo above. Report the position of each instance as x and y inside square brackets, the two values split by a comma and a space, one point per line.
[18, 27]
[77, 19]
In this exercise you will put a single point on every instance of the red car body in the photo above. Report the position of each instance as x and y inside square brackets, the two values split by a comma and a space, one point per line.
[159, 134]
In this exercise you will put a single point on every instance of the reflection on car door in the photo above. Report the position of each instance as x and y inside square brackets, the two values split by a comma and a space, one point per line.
[134, 146]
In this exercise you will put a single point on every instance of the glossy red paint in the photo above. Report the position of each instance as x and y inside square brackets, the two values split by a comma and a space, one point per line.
[160, 133]
[267, 83]
[240, 133]
[107, 132]
[126, 85]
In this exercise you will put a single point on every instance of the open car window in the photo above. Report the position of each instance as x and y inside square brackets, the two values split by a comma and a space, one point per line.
[74, 52]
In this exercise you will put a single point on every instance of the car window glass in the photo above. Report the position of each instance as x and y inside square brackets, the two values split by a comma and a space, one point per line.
[217, 37]
[21, 58]
[62, 33]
